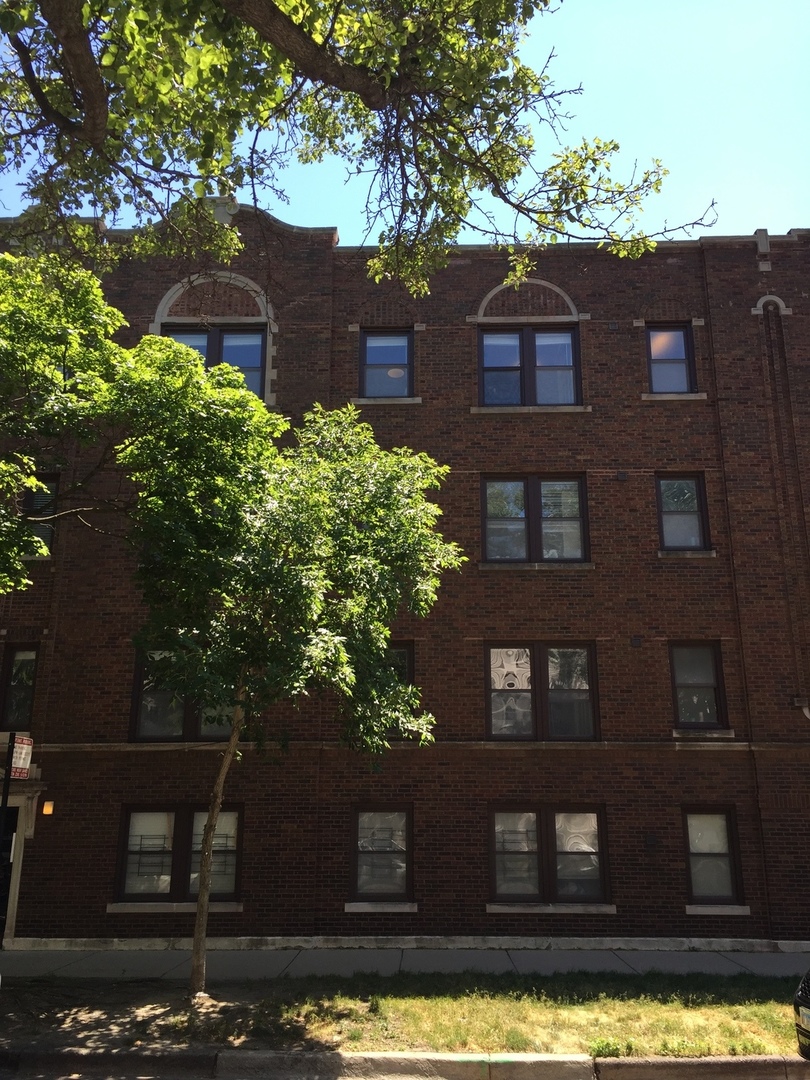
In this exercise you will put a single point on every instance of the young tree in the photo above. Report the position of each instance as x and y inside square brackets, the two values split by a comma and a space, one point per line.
[268, 573]
[149, 102]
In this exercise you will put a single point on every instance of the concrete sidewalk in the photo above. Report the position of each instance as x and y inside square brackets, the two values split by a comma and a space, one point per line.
[242, 964]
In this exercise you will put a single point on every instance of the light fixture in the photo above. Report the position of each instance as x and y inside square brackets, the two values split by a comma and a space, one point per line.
[47, 808]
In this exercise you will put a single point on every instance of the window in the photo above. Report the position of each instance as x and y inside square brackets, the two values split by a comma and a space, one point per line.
[671, 360]
[382, 854]
[386, 368]
[697, 685]
[42, 502]
[541, 691]
[534, 520]
[161, 858]
[242, 349]
[529, 367]
[17, 687]
[682, 517]
[400, 653]
[710, 845]
[160, 715]
[543, 854]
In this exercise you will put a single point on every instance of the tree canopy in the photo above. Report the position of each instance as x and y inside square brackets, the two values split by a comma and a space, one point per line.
[269, 572]
[153, 104]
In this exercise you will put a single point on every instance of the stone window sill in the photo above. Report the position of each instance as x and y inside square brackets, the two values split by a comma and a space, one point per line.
[717, 909]
[154, 907]
[385, 401]
[380, 905]
[703, 733]
[551, 564]
[674, 397]
[688, 554]
[482, 410]
[555, 909]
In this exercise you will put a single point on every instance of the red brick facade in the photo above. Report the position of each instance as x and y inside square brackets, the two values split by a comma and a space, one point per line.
[739, 432]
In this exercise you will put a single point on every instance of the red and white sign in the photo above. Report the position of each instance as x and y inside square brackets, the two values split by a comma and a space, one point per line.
[21, 758]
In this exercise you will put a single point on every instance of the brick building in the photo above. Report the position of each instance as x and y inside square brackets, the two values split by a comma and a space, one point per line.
[620, 673]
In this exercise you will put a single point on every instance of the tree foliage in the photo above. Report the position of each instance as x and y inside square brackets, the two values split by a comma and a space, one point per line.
[269, 572]
[156, 103]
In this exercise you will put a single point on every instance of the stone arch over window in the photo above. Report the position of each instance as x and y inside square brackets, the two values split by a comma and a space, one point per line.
[221, 298]
[534, 300]
[765, 301]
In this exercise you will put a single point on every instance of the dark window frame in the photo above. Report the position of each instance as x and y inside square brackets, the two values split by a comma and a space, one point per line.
[729, 812]
[538, 651]
[365, 334]
[714, 648]
[688, 360]
[215, 333]
[702, 510]
[528, 365]
[182, 838]
[533, 503]
[356, 895]
[548, 883]
[10, 651]
[192, 716]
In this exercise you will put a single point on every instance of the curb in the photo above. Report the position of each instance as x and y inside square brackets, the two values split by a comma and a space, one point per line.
[332, 1065]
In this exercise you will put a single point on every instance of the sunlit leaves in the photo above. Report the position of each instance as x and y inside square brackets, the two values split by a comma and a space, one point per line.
[430, 102]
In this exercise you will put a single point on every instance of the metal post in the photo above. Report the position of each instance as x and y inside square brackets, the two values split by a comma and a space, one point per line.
[5, 865]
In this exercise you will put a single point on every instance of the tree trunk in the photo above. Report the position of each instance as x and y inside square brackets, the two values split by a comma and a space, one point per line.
[197, 985]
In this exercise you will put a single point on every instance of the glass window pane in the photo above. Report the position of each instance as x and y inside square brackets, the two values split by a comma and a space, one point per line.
[694, 665]
[512, 714]
[502, 388]
[697, 705]
[19, 695]
[506, 499]
[568, 669]
[195, 339]
[382, 853]
[215, 723]
[562, 540]
[667, 344]
[516, 863]
[149, 852]
[560, 498]
[577, 841]
[506, 540]
[669, 378]
[682, 531]
[679, 496]
[511, 698]
[501, 350]
[711, 877]
[386, 349]
[708, 833]
[242, 349]
[553, 350]
[578, 877]
[386, 381]
[161, 712]
[570, 715]
[223, 859]
[555, 386]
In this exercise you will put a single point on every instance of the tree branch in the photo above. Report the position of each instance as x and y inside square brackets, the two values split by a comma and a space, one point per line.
[64, 18]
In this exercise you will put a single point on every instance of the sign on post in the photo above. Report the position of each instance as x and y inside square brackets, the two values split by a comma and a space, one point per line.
[21, 758]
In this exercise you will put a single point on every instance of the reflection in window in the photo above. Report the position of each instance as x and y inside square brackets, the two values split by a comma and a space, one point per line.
[382, 854]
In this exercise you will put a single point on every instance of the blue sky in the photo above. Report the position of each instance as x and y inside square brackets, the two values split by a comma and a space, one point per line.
[718, 89]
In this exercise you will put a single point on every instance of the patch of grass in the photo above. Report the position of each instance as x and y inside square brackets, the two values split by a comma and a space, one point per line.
[605, 1014]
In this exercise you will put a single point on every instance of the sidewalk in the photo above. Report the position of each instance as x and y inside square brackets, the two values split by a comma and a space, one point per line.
[238, 964]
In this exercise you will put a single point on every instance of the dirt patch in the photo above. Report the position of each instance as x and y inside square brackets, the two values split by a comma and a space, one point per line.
[104, 1015]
